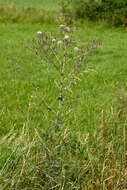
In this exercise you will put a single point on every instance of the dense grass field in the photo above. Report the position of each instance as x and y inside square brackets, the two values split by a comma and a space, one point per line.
[90, 152]
[21, 74]
[49, 4]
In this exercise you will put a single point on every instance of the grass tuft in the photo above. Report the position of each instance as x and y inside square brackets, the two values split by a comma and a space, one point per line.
[28, 14]
[63, 161]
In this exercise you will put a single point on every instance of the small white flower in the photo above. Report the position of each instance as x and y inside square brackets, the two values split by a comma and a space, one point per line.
[39, 33]
[76, 49]
[66, 37]
[54, 40]
[67, 29]
[61, 26]
[59, 42]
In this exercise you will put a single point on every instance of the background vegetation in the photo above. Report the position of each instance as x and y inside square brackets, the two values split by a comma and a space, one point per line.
[90, 150]
[115, 12]
[34, 4]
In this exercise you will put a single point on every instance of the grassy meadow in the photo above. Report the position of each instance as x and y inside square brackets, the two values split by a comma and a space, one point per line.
[89, 152]
[35, 4]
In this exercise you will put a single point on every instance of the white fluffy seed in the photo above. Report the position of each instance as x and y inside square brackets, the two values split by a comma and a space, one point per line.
[59, 42]
[61, 26]
[76, 49]
[67, 29]
[54, 40]
[66, 37]
[39, 33]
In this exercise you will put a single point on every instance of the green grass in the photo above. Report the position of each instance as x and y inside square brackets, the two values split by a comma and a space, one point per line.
[21, 75]
[18, 74]
[45, 4]
[90, 152]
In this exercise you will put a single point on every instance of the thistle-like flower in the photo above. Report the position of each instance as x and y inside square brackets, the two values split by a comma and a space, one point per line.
[54, 40]
[66, 37]
[67, 29]
[76, 49]
[59, 42]
[39, 33]
[61, 26]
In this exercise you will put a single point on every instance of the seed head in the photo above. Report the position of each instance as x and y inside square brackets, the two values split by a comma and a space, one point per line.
[61, 26]
[67, 29]
[76, 49]
[66, 37]
[54, 40]
[59, 42]
[39, 33]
